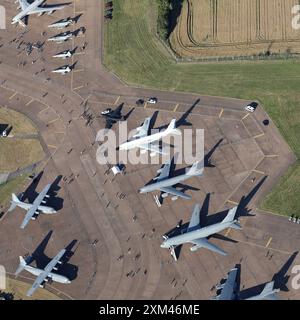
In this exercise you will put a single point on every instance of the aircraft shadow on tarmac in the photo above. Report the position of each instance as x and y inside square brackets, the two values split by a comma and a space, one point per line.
[182, 121]
[41, 259]
[26, 18]
[280, 280]
[206, 220]
[173, 173]
[53, 201]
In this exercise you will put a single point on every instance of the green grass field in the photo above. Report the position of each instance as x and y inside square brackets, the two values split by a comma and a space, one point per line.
[15, 185]
[134, 53]
[17, 152]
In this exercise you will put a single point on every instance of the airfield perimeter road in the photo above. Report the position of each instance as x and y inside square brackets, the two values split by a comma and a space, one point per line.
[118, 231]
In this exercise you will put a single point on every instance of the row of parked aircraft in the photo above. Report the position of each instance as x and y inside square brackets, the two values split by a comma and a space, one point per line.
[33, 210]
[195, 234]
[37, 8]
[166, 183]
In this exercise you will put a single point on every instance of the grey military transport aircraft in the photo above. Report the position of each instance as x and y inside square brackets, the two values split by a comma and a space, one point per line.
[197, 235]
[230, 289]
[43, 275]
[165, 183]
[32, 209]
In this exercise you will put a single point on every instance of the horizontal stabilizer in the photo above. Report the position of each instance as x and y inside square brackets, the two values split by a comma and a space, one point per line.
[230, 216]
[14, 202]
[196, 169]
[21, 267]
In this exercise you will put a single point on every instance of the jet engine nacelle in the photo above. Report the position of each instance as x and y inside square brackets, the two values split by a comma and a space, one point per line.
[47, 196]
[164, 195]
[219, 286]
[33, 218]
[194, 248]
[50, 12]
[55, 268]
[174, 198]
[44, 201]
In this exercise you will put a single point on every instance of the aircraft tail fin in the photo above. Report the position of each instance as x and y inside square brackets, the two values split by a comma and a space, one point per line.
[22, 265]
[14, 202]
[172, 128]
[196, 169]
[230, 216]
[269, 292]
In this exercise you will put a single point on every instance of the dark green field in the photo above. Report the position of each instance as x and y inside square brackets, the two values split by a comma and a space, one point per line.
[134, 53]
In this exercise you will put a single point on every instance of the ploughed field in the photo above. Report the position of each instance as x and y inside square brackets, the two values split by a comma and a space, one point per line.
[221, 28]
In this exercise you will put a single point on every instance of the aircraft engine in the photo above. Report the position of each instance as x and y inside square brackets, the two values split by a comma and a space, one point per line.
[194, 248]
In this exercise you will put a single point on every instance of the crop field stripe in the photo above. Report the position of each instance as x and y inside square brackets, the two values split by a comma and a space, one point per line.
[235, 28]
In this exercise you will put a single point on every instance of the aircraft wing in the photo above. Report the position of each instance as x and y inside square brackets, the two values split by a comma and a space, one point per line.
[33, 210]
[152, 148]
[144, 129]
[204, 243]
[164, 171]
[24, 4]
[175, 192]
[49, 8]
[228, 288]
[108, 123]
[40, 279]
[195, 220]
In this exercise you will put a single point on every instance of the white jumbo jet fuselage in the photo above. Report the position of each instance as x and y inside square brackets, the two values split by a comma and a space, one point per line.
[27, 11]
[149, 138]
[34, 8]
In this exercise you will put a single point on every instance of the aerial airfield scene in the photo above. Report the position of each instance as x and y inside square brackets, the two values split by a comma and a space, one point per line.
[149, 150]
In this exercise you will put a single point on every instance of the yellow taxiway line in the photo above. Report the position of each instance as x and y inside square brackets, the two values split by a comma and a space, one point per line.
[269, 241]
[13, 95]
[117, 100]
[28, 103]
[221, 112]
